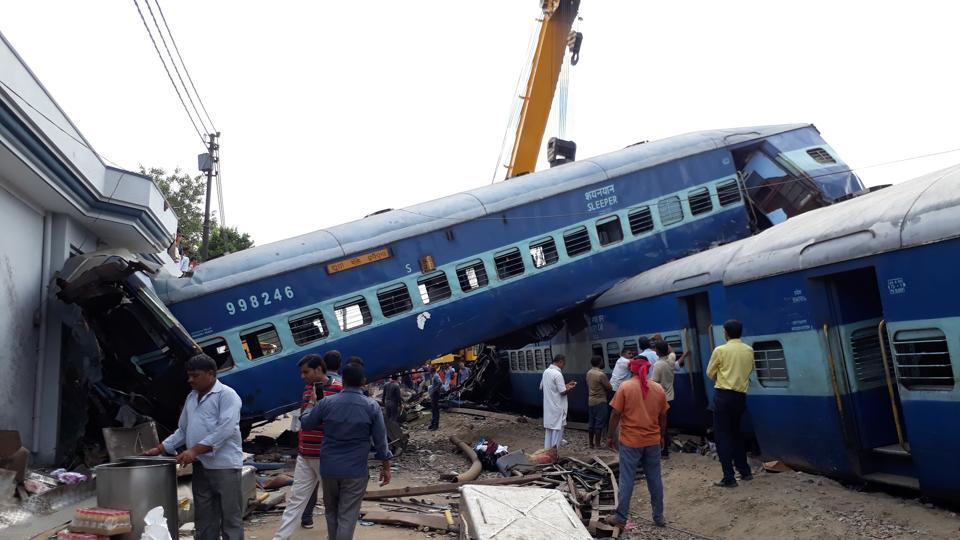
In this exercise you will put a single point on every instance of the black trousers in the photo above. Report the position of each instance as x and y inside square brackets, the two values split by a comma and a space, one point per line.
[435, 412]
[728, 410]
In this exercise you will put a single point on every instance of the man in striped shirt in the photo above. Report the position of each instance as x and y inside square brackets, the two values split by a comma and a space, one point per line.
[306, 475]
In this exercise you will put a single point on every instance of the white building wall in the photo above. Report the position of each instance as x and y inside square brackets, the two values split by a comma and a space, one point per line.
[20, 296]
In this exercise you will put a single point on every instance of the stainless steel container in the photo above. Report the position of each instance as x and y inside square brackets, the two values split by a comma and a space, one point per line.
[139, 484]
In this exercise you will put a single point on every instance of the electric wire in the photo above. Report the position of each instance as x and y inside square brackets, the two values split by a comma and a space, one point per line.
[169, 76]
[184, 64]
[175, 68]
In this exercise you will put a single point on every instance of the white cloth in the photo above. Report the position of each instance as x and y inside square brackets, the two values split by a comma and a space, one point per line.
[621, 373]
[552, 438]
[184, 263]
[650, 355]
[554, 401]
[306, 474]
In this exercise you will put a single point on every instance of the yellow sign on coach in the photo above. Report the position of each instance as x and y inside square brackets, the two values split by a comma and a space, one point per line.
[359, 260]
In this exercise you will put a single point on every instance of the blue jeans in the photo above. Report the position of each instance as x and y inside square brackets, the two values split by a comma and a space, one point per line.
[647, 457]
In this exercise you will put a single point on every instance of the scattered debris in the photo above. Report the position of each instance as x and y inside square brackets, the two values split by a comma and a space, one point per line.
[776, 467]
[475, 466]
[489, 512]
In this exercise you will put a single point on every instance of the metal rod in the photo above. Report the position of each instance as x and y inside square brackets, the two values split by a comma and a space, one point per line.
[881, 335]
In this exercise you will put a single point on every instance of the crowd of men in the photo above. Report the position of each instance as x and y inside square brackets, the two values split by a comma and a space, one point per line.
[631, 407]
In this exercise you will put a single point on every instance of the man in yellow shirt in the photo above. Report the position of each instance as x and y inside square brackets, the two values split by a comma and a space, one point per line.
[730, 366]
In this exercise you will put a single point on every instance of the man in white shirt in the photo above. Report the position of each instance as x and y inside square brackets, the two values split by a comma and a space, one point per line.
[647, 349]
[555, 401]
[185, 261]
[621, 370]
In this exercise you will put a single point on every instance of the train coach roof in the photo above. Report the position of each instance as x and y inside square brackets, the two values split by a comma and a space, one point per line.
[916, 212]
[382, 229]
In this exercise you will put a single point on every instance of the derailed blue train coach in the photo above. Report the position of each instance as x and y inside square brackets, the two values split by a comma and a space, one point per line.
[853, 312]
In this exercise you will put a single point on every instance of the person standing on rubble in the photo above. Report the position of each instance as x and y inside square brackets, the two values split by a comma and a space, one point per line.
[210, 427]
[640, 412]
[730, 366]
[436, 385]
[306, 473]
[351, 421]
[597, 410]
[392, 398]
[555, 401]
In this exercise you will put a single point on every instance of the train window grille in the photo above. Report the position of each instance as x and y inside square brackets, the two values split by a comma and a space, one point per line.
[434, 287]
[728, 193]
[597, 350]
[675, 343]
[261, 341]
[513, 361]
[641, 220]
[538, 359]
[770, 364]
[576, 241]
[509, 263]
[671, 211]
[308, 327]
[548, 354]
[609, 230]
[544, 252]
[867, 357]
[394, 300]
[472, 276]
[821, 156]
[613, 353]
[530, 363]
[220, 352]
[630, 344]
[923, 359]
[700, 202]
[353, 313]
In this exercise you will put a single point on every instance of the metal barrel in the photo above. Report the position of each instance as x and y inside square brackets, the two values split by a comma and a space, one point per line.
[139, 484]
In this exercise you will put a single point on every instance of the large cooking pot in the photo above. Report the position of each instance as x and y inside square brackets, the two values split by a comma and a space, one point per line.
[139, 484]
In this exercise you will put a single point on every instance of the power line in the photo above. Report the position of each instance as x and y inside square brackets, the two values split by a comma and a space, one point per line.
[184, 64]
[169, 76]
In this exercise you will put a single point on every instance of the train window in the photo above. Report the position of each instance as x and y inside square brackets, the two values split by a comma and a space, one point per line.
[472, 275]
[353, 313]
[640, 220]
[671, 211]
[630, 344]
[821, 156]
[261, 341]
[544, 252]
[220, 352]
[509, 263]
[923, 359]
[434, 287]
[675, 344]
[538, 358]
[597, 350]
[728, 193]
[531, 366]
[867, 356]
[308, 327]
[613, 353]
[394, 300]
[609, 230]
[700, 202]
[513, 361]
[548, 354]
[770, 364]
[576, 241]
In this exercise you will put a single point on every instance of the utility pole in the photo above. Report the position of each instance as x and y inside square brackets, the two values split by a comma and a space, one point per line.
[207, 163]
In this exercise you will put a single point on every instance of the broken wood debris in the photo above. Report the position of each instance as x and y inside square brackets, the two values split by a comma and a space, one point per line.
[450, 487]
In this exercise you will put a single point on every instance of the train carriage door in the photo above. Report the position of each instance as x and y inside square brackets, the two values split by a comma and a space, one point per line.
[697, 340]
[859, 347]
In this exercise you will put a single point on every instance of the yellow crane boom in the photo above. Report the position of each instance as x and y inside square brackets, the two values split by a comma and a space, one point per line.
[558, 17]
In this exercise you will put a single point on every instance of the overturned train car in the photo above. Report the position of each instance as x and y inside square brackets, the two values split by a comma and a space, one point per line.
[405, 285]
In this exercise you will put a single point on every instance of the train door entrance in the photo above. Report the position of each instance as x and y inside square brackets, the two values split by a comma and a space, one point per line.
[699, 340]
[864, 379]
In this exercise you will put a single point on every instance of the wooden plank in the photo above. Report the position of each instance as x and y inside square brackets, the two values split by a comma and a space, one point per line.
[613, 481]
[434, 521]
[446, 488]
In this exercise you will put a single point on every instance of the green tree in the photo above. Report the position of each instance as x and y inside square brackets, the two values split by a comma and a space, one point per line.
[187, 195]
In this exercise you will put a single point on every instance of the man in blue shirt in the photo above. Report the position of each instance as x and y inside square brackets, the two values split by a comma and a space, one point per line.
[433, 390]
[209, 426]
[350, 421]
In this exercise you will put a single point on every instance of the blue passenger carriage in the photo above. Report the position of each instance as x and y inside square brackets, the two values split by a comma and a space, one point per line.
[853, 315]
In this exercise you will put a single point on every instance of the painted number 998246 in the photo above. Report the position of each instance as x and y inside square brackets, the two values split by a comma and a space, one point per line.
[255, 301]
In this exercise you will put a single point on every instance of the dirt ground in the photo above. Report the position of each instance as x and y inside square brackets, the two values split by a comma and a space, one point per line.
[774, 505]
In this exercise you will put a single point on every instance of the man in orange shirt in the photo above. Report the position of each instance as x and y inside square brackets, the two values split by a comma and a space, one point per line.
[640, 410]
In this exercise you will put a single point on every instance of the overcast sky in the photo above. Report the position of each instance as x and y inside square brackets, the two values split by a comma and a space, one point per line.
[332, 110]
